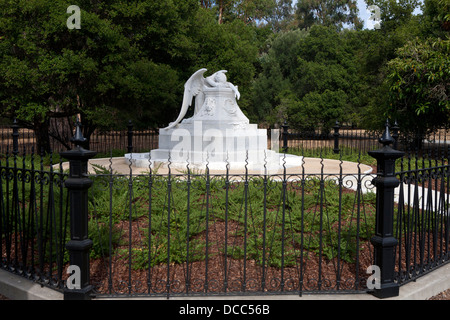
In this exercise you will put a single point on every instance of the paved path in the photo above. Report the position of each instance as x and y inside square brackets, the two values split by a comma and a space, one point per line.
[309, 165]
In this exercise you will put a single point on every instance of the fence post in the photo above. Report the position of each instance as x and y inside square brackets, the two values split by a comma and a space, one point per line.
[130, 136]
[79, 245]
[384, 241]
[285, 136]
[15, 136]
[336, 137]
[395, 130]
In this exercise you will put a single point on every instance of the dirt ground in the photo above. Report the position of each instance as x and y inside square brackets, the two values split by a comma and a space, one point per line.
[442, 296]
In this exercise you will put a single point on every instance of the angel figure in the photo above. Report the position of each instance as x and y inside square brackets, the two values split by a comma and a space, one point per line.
[194, 88]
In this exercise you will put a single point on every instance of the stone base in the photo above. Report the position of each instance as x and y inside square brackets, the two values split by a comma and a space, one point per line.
[213, 144]
[274, 162]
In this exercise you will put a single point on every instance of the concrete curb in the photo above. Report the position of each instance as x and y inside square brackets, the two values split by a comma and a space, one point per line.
[15, 287]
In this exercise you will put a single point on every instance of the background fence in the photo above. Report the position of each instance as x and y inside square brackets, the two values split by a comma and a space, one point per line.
[347, 140]
[198, 233]
[103, 141]
[344, 140]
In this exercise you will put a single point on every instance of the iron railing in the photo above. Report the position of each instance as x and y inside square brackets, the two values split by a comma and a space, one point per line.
[422, 216]
[34, 218]
[345, 140]
[198, 233]
[348, 140]
[103, 141]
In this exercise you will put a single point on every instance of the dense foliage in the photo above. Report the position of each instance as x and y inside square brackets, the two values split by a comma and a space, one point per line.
[309, 63]
[419, 81]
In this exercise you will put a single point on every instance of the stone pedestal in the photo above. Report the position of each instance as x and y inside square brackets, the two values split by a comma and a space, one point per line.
[218, 134]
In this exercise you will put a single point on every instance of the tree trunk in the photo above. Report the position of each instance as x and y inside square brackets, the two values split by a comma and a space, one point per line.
[87, 128]
[221, 11]
[42, 137]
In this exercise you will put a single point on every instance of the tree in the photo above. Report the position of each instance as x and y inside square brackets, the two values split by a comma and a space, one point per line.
[276, 13]
[403, 29]
[436, 21]
[272, 89]
[124, 54]
[246, 10]
[327, 13]
[318, 110]
[282, 17]
[129, 60]
[327, 70]
[395, 12]
[232, 46]
[311, 77]
[419, 86]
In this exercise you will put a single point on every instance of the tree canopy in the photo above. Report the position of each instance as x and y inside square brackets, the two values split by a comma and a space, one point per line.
[328, 13]
[419, 83]
[310, 63]
[128, 60]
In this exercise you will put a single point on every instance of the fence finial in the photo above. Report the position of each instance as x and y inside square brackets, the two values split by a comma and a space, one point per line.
[78, 138]
[386, 139]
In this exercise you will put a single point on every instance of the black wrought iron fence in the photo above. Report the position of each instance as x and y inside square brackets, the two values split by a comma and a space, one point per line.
[103, 141]
[34, 218]
[197, 233]
[25, 139]
[342, 140]
[349, 140]
[345, 140]
[200, 233]
[422, 216]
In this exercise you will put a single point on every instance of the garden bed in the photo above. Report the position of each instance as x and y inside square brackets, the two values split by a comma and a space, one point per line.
[323, 246]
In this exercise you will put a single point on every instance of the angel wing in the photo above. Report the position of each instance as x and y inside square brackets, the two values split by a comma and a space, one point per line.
[192, 88]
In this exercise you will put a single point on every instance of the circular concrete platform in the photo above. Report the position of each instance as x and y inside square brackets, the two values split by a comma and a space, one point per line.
[310, 166]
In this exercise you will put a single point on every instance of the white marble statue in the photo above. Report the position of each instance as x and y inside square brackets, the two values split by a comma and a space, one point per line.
[217, 134]
[195, 87]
